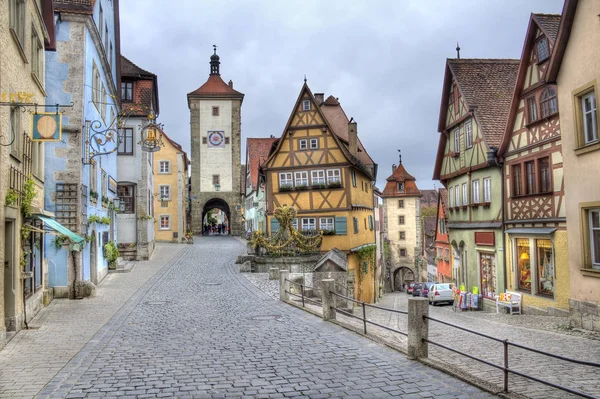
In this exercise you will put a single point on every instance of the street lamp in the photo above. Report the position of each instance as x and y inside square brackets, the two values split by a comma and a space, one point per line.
[217, 187]
[118, 204]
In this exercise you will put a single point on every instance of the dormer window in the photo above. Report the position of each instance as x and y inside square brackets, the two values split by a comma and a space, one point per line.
[306, 105]
[543, 51]
[400, 187]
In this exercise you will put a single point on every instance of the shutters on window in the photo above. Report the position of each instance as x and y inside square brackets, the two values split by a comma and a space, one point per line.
[274, 226]
[340, 225]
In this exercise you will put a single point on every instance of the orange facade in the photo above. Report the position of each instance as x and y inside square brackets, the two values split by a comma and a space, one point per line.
[442, 244]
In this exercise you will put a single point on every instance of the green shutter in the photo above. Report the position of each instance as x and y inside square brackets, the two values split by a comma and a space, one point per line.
[340, 225]
[371, 222]
[274, 225]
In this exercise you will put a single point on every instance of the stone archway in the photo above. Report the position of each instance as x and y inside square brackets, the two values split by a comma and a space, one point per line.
[400, 275]
[222, 205]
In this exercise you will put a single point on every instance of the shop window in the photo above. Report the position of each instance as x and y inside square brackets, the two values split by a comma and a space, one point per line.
[523, 264]
[487, 263]
[545, 267]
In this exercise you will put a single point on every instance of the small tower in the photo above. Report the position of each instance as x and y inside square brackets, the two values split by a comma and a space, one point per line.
[215, 129]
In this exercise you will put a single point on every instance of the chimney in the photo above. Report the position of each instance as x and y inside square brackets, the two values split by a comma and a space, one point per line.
[320, 98]
[231, 83]
[393, 168]
[353, 137]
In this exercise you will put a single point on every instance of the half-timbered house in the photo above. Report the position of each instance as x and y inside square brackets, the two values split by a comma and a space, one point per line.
[442, 245]
[534, 214]
[475, 102]
[320, 167]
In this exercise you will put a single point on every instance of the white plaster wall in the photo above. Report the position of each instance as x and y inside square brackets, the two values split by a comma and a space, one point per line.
[129, 166]
[411, 213]
[215, 161]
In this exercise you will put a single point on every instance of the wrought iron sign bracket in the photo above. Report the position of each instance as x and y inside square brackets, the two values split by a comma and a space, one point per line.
[26, 107]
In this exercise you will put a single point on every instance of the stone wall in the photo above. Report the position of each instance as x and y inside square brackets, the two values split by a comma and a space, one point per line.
[294, 264]
[584, 314]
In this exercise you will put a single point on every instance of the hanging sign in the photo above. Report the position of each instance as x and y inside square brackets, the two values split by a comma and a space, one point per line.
[47, 127]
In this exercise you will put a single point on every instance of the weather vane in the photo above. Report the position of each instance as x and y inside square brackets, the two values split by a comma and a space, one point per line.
[399, 156]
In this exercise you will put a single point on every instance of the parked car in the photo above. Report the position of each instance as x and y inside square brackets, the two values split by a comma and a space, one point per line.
[409, 289]
[426, 287]
[441, 293]
[417, 289]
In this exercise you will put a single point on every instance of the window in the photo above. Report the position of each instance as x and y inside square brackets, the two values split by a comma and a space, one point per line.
[589, 115]
[165, 222]
[523, 264]
[517, 180]
[309, 224]
[285, 180]
[450, 198]
[333, 176]
[371, 222]
[103, 184]
[95, 85]
[37, 158]
[545, 267]
[365, 224]
[226, 140]
[532, 110]
[100, 22]
[164, 167]
[457, 141]
[543, 52]
[530, 182]
[487, 264]
[37, 55]
[317, 177]
[306, 105]
[164, 192]
[127, 91]
[314, 143]
[327, 224]
[539, 253]
[125, 192]
[302, 144]
[548, 102]
[15, 131]
[456, 196]
[487, 190]
[301, 179]
[204, 140]
[400, 203]
[403, 235]
[594, 237]
[403, 252]
[126, 142]
[94, 177]
[468, 135]
[465, 194]
[353, 173]
[400, 186]
[17, 20]
[216, 179]
[475, 185]
[401, 219]
[215, 111]
[103, 103]
[355, 223]
[544, 166]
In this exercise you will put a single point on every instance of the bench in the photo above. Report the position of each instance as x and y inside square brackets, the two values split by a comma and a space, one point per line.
[510, 300]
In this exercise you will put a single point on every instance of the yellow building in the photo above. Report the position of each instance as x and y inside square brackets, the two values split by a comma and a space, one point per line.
[321, 168]
[171, 196]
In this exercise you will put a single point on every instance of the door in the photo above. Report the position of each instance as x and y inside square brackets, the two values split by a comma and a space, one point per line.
[10, 275]
[93, 259]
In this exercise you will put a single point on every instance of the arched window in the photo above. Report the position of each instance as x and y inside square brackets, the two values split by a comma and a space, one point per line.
[548, 102]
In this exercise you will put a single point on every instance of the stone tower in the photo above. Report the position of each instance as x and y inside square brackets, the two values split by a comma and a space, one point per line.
[215, 127]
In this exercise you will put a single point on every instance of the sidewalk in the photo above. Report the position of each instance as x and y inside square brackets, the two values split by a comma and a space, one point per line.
[545, 333]
[58, 332]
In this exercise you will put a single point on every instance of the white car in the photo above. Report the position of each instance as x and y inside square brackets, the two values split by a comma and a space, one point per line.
[441, 293]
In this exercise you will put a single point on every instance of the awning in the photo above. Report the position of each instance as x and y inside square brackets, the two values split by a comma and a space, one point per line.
[531, 230]
[54, 225]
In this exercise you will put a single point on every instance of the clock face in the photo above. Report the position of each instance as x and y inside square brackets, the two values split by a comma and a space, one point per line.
[215, 139]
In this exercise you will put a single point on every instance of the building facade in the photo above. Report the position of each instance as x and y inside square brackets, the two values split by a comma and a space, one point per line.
[442, 243]
[215, 120]
[257, 152]
[135, 175]
[574, 67]
[320, 168]
[80, 168]
[403, 230]
[476, 99]
[534, 213]
[24, 35]
[170, 197]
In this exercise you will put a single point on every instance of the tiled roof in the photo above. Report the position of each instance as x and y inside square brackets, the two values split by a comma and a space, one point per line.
[331, 100]
[429, 198]
[129, 69]
[444, 200]
[549, 23]
[257, 152]
[217, 87]
[429, 227]
[487, 85]
[401, 175]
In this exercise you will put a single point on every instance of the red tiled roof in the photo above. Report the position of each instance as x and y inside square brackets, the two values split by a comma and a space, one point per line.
[549, 23]
[401, 175]
[216, 86]
[331, 100]
[487, 85]
[429, 198]
[129, 69]
[444, 200]
[257, 152]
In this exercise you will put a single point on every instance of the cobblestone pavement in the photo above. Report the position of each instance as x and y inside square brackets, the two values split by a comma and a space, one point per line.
[33, 357]
[541, 332]
[199, 329]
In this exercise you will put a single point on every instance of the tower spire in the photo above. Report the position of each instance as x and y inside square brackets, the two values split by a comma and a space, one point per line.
[214, 62]
[399, 157]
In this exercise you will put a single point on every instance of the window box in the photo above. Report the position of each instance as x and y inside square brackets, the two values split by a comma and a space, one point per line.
[475, 205]
[335, 184]
[318, 186]
[286, 187]
[300, 187]
[486, 204]
[464, 207]
[455, 154]
[328, 232]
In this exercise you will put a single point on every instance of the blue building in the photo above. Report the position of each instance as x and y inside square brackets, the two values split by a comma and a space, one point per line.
[81, 170]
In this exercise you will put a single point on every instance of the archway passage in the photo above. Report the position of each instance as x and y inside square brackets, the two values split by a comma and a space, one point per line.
[402, 277]
[216, 216]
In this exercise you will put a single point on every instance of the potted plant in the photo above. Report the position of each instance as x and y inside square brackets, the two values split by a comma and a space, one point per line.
[335, 184]
[286, 187]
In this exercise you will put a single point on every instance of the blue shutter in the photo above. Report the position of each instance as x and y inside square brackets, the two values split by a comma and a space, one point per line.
[340, 225]
[371, 222]
[274, 226]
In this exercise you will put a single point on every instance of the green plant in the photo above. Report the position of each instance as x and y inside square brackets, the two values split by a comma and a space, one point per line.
[111, 254]
[94, 219]
[302, 187]
[94, 194]
[11, 197]
[25, 232]
[59, 241]
[335, 184]
[326, 232]
[319, 185]
[104, 220]
[145, 217]
[366, 258]
[286, 187]
[28, 196]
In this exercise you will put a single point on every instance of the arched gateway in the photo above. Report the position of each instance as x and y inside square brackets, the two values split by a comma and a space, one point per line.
[402, 275]
[215, 123]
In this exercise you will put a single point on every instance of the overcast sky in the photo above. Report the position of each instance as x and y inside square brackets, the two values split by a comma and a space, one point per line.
[383, 59]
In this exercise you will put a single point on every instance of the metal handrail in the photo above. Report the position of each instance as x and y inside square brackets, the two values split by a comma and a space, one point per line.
[345, 297]
[302, 296]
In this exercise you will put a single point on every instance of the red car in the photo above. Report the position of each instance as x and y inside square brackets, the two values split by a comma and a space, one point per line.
[410, 288]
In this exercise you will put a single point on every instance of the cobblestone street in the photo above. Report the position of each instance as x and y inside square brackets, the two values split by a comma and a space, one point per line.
[197, 328]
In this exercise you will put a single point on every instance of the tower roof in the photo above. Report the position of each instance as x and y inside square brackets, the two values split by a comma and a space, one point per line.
[214, 85]
[400, 175]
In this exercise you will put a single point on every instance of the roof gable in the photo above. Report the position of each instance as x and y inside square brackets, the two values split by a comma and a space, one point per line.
[400, 175]
[548, 23]
[257, 152]
[216, 87]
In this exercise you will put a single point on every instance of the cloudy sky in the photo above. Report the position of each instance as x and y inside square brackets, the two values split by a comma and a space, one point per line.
[383, 59]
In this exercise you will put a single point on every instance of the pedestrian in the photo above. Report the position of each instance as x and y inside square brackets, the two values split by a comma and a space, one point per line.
[219, 228]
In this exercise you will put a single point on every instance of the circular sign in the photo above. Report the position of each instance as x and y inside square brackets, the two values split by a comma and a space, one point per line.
[46, 127]
[215, 138]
